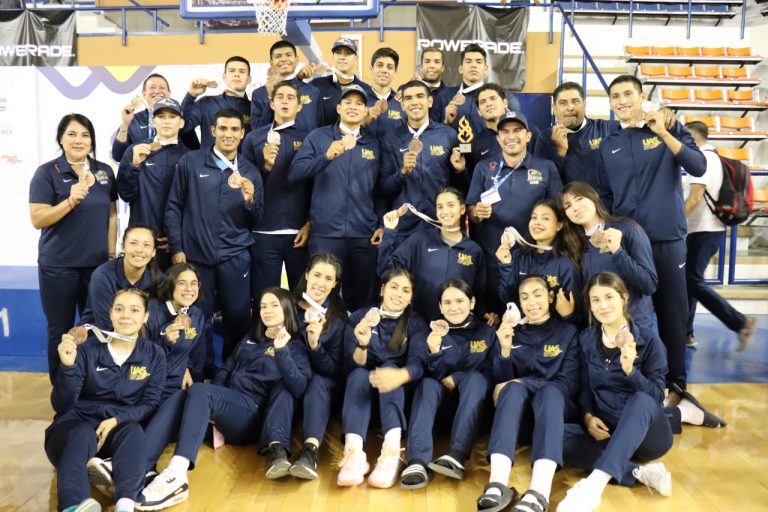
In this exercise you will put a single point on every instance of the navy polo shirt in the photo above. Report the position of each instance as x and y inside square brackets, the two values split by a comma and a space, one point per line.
[79, 239]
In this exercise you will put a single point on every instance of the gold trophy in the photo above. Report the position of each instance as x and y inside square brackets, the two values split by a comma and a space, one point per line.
[465, 136]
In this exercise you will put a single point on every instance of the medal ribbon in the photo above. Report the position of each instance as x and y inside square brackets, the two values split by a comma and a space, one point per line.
[417, 133]
[100, 334]
[519, 238]
[429, 220]
[313, 303]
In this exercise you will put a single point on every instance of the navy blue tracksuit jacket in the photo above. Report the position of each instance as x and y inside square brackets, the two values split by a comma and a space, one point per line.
[541, 354]
[95, 388]
[433, 262]
[138, 130]
[206, 218]
[326, 358]
[462, 350]
[346, 199]
[639, 177]
[309, 117]
[146, 187]
[560, 271]
[330, 95]
[605, 388]
[581, 159]
[389, 120]
[201, 111]
[433, 171]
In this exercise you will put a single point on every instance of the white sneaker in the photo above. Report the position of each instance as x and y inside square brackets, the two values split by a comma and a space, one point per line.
[582, 497]
[655, 476]
[100, 476]
[167, 489]
[354, 466]
[384, 474]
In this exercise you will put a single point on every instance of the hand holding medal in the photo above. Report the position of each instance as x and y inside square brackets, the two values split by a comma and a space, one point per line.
[439, 329]
[349, 141]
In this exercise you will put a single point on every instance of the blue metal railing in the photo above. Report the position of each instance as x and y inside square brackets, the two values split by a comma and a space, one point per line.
[732, 279]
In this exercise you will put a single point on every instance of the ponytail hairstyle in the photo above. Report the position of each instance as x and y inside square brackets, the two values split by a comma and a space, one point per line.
[609, 280]
[462, 201]
[567, 241]
[152, 263]
[287, 304]
[167, 285]
[463, 287]
[144, 296]
[336, 308]
[400, 334]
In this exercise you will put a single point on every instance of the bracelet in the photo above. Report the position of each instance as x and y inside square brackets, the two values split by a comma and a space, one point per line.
[362, 347]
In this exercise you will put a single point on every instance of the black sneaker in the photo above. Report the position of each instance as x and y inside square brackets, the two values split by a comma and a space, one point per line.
[100, 476]
[305, 466]
[277, 462]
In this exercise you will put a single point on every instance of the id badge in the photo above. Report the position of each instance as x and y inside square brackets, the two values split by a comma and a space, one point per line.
[490, 196]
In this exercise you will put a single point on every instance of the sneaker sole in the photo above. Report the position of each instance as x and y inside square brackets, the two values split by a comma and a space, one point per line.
[383, 485]
[437, 468]
[101, 480]
[173, 500]
[351, 483]
[303, 472]
[93, 506]
[279, 470]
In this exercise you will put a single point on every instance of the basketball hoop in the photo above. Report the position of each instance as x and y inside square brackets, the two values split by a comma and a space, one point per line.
[271, 15]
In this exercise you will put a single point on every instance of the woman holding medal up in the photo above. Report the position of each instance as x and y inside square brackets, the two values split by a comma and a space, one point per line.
[322, 318]
[434, 256]
[502, 193]
[72, 200]
[101, 394]
[272, 354]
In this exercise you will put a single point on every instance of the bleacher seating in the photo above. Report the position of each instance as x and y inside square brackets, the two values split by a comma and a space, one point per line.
[723, 128]
[700, 9]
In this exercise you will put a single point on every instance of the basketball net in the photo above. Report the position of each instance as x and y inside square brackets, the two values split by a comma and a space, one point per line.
[271, 15]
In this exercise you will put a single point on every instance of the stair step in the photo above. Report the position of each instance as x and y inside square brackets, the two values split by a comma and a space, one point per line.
[742, 292]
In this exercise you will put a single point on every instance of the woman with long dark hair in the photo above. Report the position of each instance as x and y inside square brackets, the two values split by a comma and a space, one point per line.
[72, 200]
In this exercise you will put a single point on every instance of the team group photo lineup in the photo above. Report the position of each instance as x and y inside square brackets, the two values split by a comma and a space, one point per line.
[410, 268]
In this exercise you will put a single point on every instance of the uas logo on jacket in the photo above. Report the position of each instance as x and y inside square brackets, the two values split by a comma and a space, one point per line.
[138, 373]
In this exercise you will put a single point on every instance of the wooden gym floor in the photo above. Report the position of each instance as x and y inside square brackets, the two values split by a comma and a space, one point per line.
[713, 469]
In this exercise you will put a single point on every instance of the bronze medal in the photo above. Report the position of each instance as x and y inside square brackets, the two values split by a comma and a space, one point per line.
[312, 316]
[439, 327]
[373, 317]
[183, 320]
[272, 332]
[244, 182]
[79, 333]
[212, 84]
[598, 239]
[622, 338]
[459, 99]
[155, 146]
[235, 180]
[88, 178]
[512, 315]
[137, 102]
[403, 209]
[382, 105]
[273, 137]
[350, 141]
[508, 237]
[416, 146]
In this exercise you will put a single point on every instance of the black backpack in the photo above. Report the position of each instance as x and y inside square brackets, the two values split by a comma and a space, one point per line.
[734, 202]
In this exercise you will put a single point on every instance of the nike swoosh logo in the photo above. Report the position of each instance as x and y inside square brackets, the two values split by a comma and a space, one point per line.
[142, 126]
[403, 150]
[326, 97]
[67, 181]
[249, 342]
[614, 151]
[100, 368]
[245, 275]
[523, 273]
[516, 346]
[204, 175]
[446, 348]
[433, 250]
[681, 265]
[162, 333]
[484, 152]
[150, 163]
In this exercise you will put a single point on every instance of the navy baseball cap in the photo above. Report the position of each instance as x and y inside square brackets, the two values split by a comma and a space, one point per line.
[354, 88]
[344, 42]
[513, 116]
[167, 104]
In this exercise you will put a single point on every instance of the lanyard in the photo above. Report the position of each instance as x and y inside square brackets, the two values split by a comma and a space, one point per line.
[313, 303]
[417, 133]
[496, 182]
[169, 305]
[225, 160]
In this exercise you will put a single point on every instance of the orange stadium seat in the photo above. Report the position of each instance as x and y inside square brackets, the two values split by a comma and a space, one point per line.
[708, 95]
[743, 154]
[663, 50]
[737, 123]
[648, 70]
[745, 95]
[680, 71]
[713, 52]
[676, 95]
[735, 72]
[638, 50]
[710, 121]
[688, 51]
[738, 52]
[707, 72]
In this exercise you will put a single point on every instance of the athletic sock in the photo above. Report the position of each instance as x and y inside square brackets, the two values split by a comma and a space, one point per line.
[179, 465]
[541, 479]
[501, 467]
[124, 505]
[689, 413]
[392, 438]
[598, 479]
[353, 442]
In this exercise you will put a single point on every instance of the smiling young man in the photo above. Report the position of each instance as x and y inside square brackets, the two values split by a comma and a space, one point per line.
[202, 110]
[146, 172]
[638, 176]
[504, 191]
[431, 73]
[421, 158]
[282, 233]
[135, 126]
[215, 200]
[284, 60]
[347, 203]
[344, 52]
[386, 113]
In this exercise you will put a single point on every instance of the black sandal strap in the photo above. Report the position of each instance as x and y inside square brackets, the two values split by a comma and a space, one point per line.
[541, 504]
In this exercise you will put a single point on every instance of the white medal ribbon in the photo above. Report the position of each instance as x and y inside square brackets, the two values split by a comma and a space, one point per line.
[594, 229]
[296, 71]
[384, 96]
[165, 142]
[85, 163]
[313, 303]
[230, 165]
[429, 220]
[347, 131]
[417, 133]
[338, 74]
[241, 94]
[182, 311]
[519, 238]
[432, 85]
[389, 314]
[471, 88]
[282, 126]
[100, 334]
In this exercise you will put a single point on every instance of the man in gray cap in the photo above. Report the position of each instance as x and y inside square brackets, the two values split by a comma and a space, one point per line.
[344, 52]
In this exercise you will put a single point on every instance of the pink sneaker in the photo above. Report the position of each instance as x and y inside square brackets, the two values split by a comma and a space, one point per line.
[354, 466]
[384, 474]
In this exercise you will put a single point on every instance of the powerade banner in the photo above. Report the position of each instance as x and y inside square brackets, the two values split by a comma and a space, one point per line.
[37, 38]
[501, 32]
